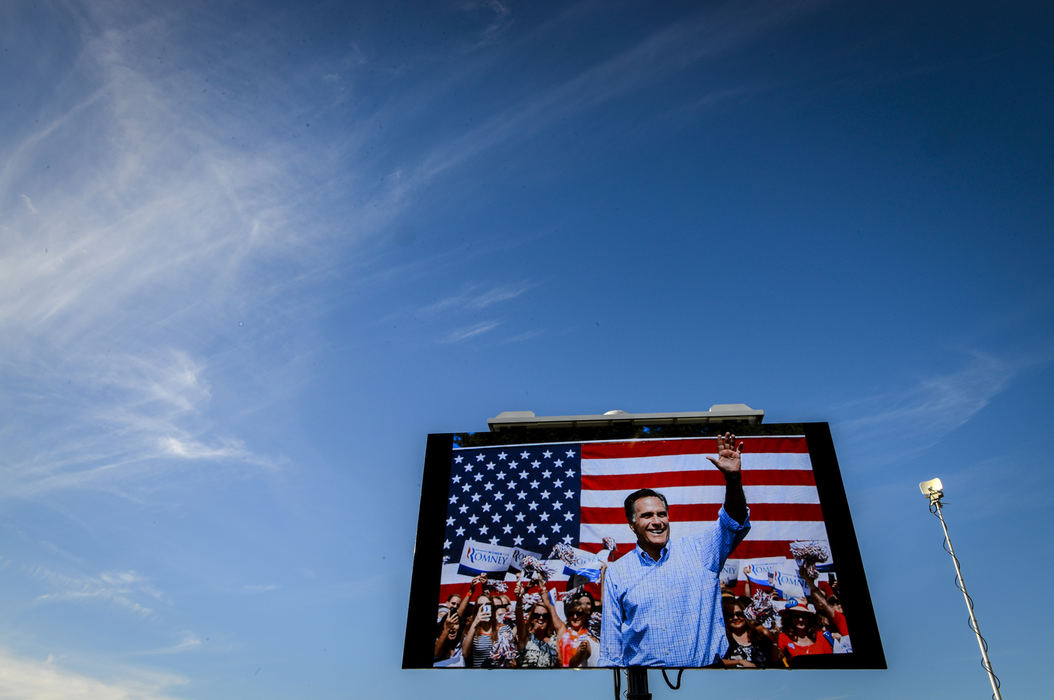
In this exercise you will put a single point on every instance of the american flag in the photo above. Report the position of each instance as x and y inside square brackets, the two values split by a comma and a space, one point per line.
[527, 497]
[533, 496]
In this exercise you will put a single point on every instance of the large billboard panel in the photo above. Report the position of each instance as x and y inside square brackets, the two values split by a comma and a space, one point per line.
[616, 546]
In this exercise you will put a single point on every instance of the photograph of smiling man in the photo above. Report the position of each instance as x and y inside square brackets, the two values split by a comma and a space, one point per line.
[662, 601]
[633, 546]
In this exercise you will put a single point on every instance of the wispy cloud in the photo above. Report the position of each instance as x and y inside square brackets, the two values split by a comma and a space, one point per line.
[472, 331]
[114, 421]
[120, 589]
[712, 32]
[130, 256]
[260, 587]
[192, 449]
[457, 309]
[30, 679]
[522, 337]
[500, 19]
[188, 642]
[927, 411]
[166, 215]
[475, 297]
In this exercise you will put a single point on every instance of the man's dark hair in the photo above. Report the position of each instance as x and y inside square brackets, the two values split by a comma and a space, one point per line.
[639, 494]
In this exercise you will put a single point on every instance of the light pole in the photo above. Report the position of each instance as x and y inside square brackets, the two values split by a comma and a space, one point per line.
[934, 491]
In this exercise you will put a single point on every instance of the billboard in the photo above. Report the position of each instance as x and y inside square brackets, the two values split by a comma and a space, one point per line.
[697, 546]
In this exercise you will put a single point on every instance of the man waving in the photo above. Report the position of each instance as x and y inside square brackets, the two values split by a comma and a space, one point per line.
[662, 601]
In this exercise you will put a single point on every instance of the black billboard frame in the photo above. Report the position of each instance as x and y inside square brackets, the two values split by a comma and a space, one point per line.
[855, 595]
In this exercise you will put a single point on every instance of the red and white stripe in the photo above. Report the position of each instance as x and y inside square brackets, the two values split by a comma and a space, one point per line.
[777, 480]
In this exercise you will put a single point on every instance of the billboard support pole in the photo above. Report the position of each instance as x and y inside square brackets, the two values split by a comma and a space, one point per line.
[934, 490]
[637, 683]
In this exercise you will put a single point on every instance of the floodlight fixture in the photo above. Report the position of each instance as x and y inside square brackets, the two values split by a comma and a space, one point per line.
[934, 491]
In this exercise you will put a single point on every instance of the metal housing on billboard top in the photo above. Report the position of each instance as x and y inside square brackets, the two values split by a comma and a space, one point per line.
[718, 413]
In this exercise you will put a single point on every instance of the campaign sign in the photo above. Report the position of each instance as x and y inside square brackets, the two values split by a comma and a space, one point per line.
[730, 572]
[786, 579]
[482, 558]
[516, 559]
[585, 564]
[760, 571]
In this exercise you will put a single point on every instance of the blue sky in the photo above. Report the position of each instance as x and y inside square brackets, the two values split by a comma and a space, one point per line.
[252, 253]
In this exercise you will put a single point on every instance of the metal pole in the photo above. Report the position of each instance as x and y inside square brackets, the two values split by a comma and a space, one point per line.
[969, 606]
[637, 683]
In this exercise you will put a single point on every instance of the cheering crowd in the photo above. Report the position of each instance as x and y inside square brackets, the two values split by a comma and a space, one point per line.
[765, 631]
[491, 626]
[493, 630]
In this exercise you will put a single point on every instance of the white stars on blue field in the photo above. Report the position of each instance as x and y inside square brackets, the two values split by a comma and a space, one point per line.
[533, 487]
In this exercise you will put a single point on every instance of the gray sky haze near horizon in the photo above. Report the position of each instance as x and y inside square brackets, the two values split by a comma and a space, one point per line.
[253, 253]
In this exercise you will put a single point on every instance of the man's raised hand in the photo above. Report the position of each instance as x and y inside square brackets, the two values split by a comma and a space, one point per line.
[729, 455]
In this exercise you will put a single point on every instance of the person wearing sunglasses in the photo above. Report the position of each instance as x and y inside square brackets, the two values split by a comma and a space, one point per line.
[749, 645]
[538, 633]
[802, 634]
[578, 647]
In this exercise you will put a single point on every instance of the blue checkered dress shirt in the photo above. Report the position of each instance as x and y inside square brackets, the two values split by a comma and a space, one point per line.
[668, 612]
